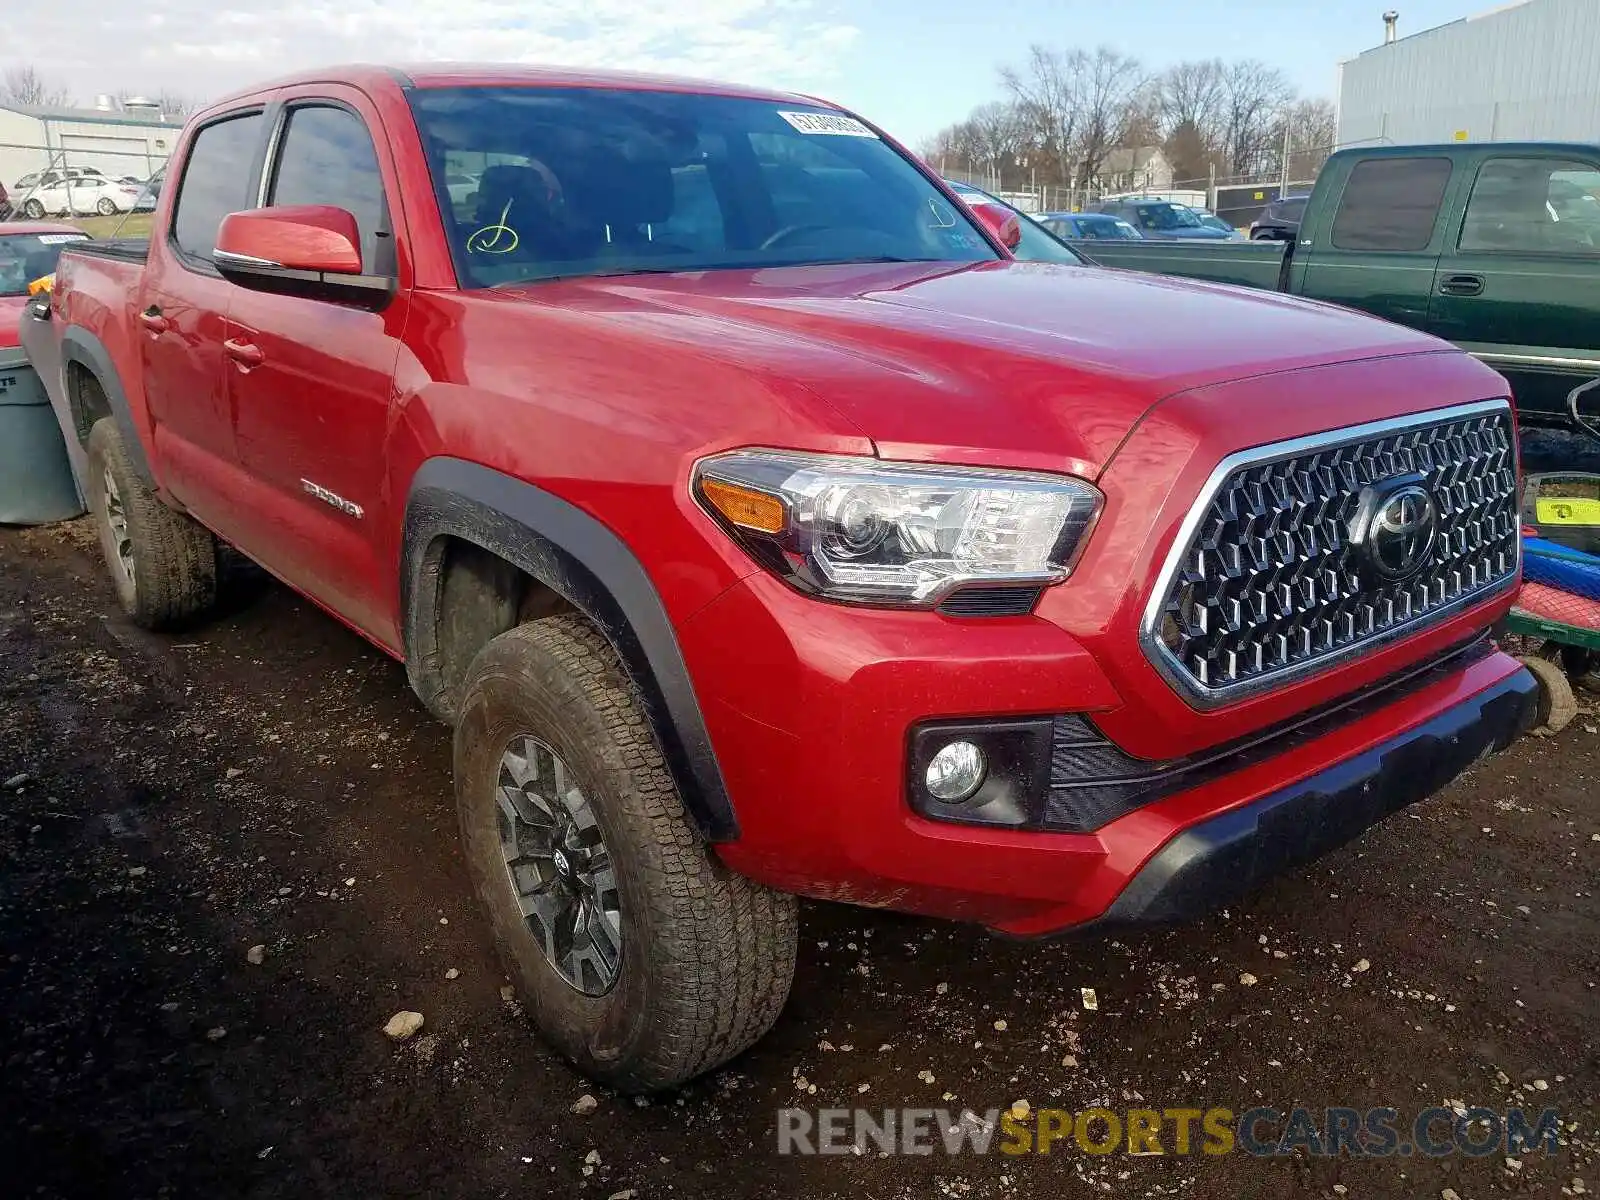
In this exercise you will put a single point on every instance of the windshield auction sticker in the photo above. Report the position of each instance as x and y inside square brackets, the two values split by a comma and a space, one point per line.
[827, 123]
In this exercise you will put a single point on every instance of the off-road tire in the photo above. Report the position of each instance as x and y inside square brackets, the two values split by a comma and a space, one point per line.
[707, 955]
[174, 558]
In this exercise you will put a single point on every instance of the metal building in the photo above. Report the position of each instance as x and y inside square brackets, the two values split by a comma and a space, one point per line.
[135, 139]
[1528, 70]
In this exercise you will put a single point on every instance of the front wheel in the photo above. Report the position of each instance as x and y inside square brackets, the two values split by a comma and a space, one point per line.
[33, 210]
[641, 957]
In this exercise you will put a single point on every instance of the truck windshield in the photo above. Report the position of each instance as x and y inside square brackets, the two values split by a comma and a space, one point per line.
[589, 181]
[25, 257]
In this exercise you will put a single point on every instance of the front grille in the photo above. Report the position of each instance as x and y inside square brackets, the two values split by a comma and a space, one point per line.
[1268, 580]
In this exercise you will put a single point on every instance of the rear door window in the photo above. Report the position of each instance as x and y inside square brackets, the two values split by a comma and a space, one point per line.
[1391, 204]
[216, 181]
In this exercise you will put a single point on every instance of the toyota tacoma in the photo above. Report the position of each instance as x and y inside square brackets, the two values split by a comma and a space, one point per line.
[764, 529]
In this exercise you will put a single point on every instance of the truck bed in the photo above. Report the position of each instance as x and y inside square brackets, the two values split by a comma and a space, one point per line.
[1248, 264]
[97, 290]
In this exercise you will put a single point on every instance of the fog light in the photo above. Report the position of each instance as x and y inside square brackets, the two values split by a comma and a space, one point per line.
[956, 772]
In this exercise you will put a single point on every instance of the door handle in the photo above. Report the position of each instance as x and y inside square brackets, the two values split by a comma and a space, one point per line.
[1461, 285]
[152, 320]
[246, 354]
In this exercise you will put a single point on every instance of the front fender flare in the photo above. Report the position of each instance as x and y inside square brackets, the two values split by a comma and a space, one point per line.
[589, 566]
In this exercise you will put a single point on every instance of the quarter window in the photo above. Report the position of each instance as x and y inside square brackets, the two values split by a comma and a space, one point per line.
[1391, 204]
[1537, 205]
[216, 182]
[327, 158]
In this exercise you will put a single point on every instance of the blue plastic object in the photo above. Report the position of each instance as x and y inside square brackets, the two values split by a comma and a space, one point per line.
[1559, 566]
[36, 484]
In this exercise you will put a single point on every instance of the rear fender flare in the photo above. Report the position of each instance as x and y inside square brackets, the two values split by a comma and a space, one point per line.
[589, 566]
[82, 347]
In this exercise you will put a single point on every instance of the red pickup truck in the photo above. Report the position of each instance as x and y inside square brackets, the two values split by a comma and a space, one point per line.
[763, 529]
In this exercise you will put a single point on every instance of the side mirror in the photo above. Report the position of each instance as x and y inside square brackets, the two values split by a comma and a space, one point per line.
[309, 250]
[1001, 222]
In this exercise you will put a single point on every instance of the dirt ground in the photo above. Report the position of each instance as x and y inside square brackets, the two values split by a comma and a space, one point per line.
[268, 780]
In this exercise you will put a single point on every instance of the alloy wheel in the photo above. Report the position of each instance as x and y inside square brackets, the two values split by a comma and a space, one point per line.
[117, 519]
[558, 866]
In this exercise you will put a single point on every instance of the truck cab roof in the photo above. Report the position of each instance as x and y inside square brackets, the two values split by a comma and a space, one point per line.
[1456, 149]
[370, 77]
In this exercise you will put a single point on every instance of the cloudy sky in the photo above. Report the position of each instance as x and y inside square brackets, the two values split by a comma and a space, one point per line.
[912, 65]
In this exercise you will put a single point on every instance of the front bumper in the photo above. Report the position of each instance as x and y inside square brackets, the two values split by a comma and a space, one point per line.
[809, 709]
[1220, 859]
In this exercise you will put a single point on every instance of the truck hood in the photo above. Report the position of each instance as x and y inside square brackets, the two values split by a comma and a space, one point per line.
[1005, 363]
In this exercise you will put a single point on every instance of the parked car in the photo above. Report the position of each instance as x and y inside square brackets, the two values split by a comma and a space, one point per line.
[149, 191]
[73, 193]
[1279, 221]
[5, 203]
[28, 251]
[1465, 241]
[1211, 221]
[1163, 220]
[787, 536]
[1090, 227]
[1034, 242]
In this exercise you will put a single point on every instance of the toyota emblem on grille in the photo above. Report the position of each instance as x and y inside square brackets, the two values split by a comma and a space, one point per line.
[1395, 527]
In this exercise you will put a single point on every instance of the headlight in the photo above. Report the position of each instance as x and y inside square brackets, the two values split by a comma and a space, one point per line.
[872, 532]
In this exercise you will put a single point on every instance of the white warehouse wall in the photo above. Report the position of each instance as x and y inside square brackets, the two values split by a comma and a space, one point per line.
[1528, 71]
[115, 146]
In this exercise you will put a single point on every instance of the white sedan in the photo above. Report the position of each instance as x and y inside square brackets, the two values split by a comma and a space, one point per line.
[75, 196]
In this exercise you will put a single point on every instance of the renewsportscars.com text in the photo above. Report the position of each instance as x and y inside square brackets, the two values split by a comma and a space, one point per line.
[1262, 1132]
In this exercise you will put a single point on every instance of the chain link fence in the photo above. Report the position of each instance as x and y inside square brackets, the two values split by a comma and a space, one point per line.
[75, 181]
[1237, 199]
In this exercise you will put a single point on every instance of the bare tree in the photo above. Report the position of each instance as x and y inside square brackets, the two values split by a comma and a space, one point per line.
[1192, 93]
[1253, 98]
[1313, 128]
[1070, 108]
[177, 105]
[997, 134]
[1047, 92]
[24, 85]
[1078, 105]
[1142, 124]
[1111, 84]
